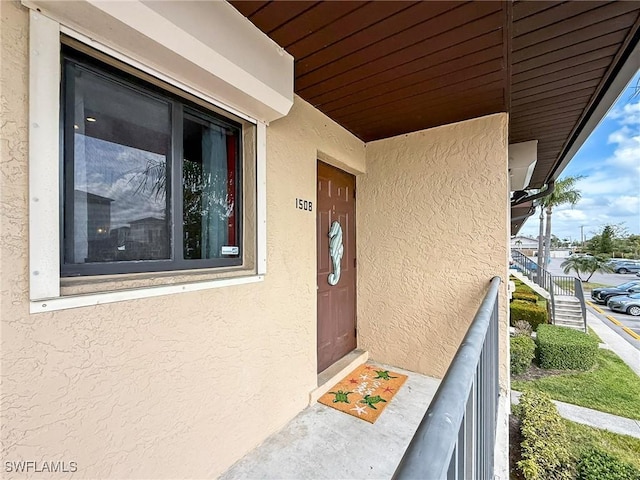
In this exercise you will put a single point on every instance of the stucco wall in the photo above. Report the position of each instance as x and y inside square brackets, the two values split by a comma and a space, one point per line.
[432, 231]
[179, 386]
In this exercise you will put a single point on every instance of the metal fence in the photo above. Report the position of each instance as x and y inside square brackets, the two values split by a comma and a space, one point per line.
[554, 284]
[580, 294]
[538, 275]
[456, 437]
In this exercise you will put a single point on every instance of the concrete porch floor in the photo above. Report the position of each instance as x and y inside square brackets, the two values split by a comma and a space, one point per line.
[323, 443]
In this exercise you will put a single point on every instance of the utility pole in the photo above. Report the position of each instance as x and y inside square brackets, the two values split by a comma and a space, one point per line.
[582, 235]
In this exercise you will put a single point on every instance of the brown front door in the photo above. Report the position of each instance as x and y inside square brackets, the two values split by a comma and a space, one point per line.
[336, 213]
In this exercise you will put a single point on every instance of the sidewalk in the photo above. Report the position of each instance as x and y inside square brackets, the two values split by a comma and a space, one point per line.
[615, 342]
[593, 418]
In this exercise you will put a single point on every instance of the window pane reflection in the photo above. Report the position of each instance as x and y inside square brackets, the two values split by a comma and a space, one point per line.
[117, 196]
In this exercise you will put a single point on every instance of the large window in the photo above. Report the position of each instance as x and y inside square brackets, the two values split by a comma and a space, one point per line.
[151, 181]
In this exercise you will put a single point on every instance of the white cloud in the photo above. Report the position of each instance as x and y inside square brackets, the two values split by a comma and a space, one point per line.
[626, 139]
[570, 215]
[627, 114]
[607, 181]
[626, 205]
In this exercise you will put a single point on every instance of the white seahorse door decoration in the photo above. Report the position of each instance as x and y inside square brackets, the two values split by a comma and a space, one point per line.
[336, 250]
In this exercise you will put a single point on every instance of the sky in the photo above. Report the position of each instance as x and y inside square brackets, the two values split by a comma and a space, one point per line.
[610, 162]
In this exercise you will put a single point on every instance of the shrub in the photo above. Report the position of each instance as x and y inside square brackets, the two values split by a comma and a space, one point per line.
[533, 314]
[565, 349]
[544, 449]
[523, 288]
[527, 297]
[594, 464]
[522, 328]
[522, 352]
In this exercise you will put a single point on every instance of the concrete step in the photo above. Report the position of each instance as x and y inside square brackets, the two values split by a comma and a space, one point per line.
[568, 306]
[573, 321]
[569, 322]
[565, 301]
[568, 313]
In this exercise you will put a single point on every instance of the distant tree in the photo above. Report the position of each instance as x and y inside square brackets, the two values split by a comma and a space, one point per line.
[613, 239]
[585, 265]
[633, 244]
[605, 246]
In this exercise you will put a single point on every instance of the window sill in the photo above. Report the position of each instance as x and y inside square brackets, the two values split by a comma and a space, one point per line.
[85, 300]
[84, 285]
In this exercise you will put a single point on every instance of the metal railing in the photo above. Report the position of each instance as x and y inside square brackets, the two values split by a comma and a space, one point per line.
[579, 292]
[554, 284]
[456, 436]
[538, 275]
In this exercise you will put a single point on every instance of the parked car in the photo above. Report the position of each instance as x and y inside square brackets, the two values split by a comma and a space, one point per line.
[626, 304]
[626, 267]
[602, 295]
[612, 262]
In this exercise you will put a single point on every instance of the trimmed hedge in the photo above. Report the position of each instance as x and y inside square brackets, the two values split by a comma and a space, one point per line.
[528, 297]
[544, 449]
[523, 288]
[595, 464]
[522, 352]
[563, 348]
[529, 312]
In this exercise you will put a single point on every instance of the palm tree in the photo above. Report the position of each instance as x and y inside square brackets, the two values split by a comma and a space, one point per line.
[563, 193]
[583, 264]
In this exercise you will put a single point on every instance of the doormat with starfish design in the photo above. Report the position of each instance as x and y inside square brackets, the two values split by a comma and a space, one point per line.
[365, 392]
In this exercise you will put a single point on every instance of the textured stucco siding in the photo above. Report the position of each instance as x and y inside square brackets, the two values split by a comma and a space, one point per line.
[179, 386]
[432, 231]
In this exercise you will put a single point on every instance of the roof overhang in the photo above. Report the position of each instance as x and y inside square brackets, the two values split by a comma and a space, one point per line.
[381, 69]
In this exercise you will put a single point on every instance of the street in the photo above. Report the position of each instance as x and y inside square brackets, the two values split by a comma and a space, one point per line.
[609, 279]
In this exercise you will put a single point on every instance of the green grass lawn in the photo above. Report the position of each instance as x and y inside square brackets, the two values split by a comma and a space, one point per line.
[594, 335]
[622, 446]
[588, 286]
[611, 386]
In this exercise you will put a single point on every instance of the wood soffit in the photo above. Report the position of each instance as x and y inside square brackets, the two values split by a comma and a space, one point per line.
[385, 68]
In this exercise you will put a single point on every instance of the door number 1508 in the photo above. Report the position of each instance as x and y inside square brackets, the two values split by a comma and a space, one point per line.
[304, 205]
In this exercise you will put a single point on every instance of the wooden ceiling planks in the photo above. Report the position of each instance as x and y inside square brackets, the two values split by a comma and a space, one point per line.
[367, 63]
[381, 40]
[344, 27]
[561, 57]
[272, 17]
[387, 68]
[420, 58]
[321, 15]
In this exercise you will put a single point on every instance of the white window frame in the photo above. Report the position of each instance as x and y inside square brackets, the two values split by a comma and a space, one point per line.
[44, 178]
